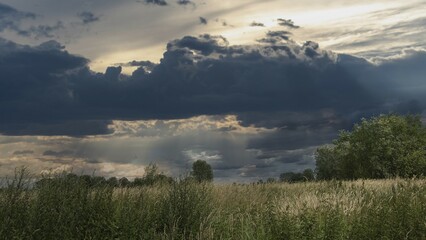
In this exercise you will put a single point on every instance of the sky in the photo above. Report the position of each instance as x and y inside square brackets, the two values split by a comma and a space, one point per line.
[252, 87]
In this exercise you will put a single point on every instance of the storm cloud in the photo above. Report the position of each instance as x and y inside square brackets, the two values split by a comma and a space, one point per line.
[156, 2]
[47, 91]
[185, 2]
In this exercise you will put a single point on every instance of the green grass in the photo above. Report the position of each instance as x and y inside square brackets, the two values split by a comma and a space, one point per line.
[67, 209]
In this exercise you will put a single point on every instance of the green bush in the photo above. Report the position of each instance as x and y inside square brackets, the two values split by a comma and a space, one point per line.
[381, 147]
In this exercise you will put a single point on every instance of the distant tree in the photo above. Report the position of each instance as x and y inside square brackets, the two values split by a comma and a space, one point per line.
[112, 182]
[151, 174]
[137, 182]
[124, 182]
[86, 180]
[202, 171]
[308, 175]
[71, 176]
[381, 147]
[291, 177]
[327, 163]
[163, 179]
[270, 180]
[98, 181]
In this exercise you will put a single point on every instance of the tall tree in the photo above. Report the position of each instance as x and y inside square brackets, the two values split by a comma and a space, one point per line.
[381, 147]
[202, 171]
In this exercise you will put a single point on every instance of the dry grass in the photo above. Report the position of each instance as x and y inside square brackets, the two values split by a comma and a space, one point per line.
[364, 209]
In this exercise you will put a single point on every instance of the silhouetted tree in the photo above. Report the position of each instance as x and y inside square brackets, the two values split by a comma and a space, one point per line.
[87, 180]
[98, 181]
[291, 177]
[112, 182]
[202, 171]
[137, 182]
[124, 182]
[308, 175]
[270, 180]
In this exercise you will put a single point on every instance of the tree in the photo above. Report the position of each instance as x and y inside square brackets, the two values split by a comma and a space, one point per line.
[124, 182]
[308, 175]
[202, 171]
[381, 147]
[292, 177]
[112, 182]
[151, 174]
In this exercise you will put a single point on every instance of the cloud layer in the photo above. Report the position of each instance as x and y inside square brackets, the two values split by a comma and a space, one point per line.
[47, 91]
[264, 107]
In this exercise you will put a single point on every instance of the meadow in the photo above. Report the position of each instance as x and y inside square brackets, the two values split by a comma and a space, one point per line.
[362, 209]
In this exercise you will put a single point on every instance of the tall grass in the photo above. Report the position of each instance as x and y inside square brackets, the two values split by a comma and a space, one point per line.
[69, 209]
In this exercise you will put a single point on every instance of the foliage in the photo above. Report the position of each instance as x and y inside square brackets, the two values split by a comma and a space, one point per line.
[202, 171]
[292, 177]
[151, 177]
[381, 147]
[65, 207]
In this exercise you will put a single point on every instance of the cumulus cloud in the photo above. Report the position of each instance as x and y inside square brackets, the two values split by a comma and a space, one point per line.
[34, 83]
[57, 94]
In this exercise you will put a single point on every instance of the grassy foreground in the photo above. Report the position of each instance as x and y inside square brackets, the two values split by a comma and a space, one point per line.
[64, 209]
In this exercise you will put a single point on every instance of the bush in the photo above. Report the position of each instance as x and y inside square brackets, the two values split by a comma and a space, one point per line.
[381, 147]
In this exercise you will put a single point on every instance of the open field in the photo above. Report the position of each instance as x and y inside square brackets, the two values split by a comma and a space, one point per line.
[380, 209]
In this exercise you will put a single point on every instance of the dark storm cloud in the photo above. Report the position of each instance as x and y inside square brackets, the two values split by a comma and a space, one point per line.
[44, 90]
[257, 24]
[88, 17]
[294, 139]
[155, 2]
[35, 96]
[287, 23]
[45, 127]
[185, 2]
[203, 21]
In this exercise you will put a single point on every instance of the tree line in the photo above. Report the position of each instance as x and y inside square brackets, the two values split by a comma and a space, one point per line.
[385, 146]
[201, 172]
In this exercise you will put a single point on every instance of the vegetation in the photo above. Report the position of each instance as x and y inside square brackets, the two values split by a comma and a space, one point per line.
[202, 171]
[292, 177]
[67, 208]
[382, 147]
